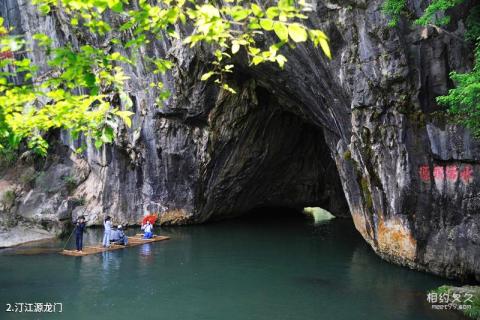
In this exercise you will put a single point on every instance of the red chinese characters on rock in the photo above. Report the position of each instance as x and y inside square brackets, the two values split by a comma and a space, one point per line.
[467, 174]
[451, 173]
[424, 173]
[438, 173]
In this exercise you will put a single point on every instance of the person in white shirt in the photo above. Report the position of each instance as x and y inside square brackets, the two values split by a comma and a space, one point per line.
[147, 230]
[107, 223]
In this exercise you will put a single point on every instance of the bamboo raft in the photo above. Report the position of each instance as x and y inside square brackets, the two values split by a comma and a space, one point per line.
[132, 242]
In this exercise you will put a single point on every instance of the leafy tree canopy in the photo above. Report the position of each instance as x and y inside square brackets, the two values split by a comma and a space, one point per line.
[83, 87]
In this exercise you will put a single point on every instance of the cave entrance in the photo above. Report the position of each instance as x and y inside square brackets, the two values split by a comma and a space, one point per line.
[267, 156]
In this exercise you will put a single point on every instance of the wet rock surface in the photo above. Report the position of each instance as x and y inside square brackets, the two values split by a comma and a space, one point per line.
[358, 128]
[22, 233]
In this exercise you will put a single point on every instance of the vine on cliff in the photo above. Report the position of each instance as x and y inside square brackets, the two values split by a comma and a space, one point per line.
[83, 89]
[463, 101]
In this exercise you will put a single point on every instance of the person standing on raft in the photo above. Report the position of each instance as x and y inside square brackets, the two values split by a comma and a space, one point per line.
[148, 230]
[79, 230]
[107, 223]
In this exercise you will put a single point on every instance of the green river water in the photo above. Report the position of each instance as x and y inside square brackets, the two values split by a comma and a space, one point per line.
[264, 268]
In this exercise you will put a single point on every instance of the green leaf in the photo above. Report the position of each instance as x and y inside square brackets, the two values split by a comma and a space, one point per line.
[254, 26]
[320, 38]
[90, 80]
[253, 50]
[235, 47]
[126, 100]
[281, 31]
[256, 10]
[240, 13]
[257, 60]
[14, 140]
[273, 12]
[266, 24]
[44, 9]
[209, 10]
[116, 56]
[107, 135]
[38, 145]
[164, 95]
[116, 6]
[125, 116]
[81, 149]
[207, 76]
[281, 60]
[162, 65]
[42, 39]
[98, 143]
[297, 32]
[228, 88]
[325, 47]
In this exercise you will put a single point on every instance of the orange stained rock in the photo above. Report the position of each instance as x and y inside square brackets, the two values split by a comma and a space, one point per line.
[395, 238]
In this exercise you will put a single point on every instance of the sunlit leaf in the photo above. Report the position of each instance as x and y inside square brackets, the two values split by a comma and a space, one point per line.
[207, 76]
[281, 31]
[126, 117]
[297, 32]
[266, 24]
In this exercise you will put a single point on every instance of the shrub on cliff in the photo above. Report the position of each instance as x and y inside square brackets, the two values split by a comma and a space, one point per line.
[463, 101]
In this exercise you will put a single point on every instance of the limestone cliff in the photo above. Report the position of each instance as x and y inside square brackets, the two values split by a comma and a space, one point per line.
[360, 127]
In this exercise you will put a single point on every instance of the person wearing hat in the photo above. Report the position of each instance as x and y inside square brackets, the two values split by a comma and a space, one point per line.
[114, 235]
[79, 230]
[123, 239]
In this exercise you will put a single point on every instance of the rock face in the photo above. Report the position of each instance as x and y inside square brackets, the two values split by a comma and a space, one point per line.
[358, 128]
[36, 196]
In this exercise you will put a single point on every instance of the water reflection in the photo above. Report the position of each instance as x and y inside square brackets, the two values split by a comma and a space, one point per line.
[369, 274]
[145, 254]
[110, 260]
